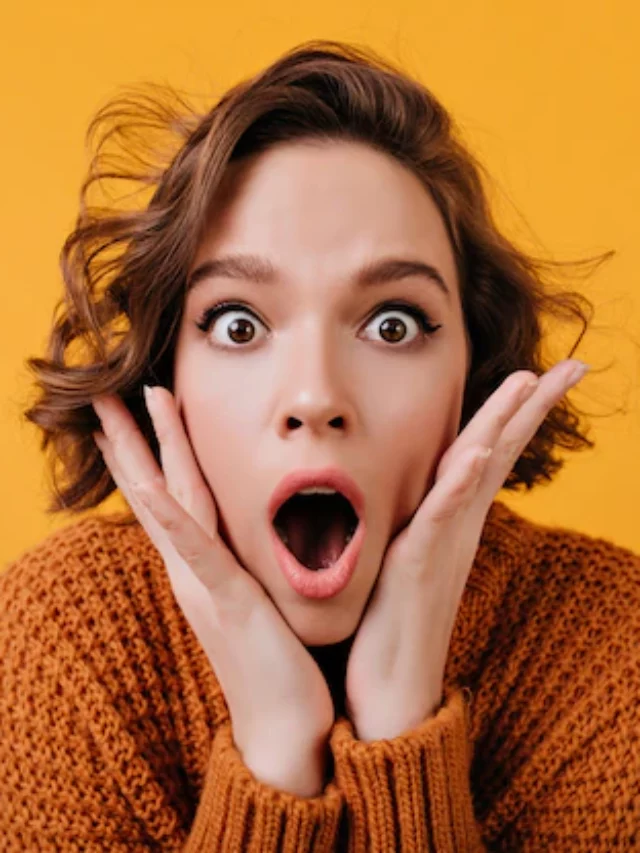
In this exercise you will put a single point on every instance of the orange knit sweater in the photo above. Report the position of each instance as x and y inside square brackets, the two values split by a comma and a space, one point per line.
[115, 735]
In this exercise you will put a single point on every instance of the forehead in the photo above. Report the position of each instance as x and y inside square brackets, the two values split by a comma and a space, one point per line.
[325, 205]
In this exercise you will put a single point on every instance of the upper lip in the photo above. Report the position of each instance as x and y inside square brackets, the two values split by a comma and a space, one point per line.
[334, 478]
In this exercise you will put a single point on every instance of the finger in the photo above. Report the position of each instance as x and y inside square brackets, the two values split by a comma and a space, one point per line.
[450, 495]
[486, 426]
[184, 479]
[144, 516]
[207, 558]
[523, 426]
[129, 447]
[457, 488]
[189, 583]
[144, 482]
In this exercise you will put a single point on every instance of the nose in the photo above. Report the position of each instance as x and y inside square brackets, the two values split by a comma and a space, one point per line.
[314, 393]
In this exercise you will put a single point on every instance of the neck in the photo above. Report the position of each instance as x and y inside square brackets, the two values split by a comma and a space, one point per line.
[332, 661]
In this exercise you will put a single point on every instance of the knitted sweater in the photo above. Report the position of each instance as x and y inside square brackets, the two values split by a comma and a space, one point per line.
[115, 734]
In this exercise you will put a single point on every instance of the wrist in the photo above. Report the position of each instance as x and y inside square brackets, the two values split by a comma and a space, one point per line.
[301, 772]
[385, 723]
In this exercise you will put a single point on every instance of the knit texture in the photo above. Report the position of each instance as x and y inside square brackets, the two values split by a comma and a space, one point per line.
[115, 734]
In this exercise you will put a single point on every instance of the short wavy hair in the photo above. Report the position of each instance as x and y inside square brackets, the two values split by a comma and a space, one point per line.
[125, 269]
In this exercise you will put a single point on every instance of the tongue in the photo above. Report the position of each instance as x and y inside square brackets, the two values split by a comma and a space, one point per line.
[317, 541]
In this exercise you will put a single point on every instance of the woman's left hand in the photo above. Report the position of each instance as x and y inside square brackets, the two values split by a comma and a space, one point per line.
[395, 670]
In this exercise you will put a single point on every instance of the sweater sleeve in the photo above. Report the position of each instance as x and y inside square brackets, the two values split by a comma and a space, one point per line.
[90, 758]
[97, 791]
[238, 812]
[412, 792]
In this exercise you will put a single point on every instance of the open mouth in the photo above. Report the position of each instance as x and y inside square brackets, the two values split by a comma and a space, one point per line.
[316, 527]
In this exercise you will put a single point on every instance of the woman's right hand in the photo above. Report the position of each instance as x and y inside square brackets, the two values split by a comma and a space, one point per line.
[279, 702]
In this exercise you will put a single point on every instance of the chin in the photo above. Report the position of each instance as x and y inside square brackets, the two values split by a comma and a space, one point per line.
[323, 638]
[323, 629]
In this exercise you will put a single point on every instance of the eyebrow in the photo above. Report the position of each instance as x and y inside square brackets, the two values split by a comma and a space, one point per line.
[262, 271]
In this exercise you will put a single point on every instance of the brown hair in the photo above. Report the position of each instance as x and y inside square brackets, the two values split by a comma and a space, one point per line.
[125, 269]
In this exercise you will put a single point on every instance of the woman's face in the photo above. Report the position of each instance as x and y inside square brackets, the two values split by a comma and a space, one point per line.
[316, 369]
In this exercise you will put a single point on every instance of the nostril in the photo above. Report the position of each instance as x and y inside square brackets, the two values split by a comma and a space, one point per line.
[294, 423]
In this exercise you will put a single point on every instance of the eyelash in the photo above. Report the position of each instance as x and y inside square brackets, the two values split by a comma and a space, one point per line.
[209, 315]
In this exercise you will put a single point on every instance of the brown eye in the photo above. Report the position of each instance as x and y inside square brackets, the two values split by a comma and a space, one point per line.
[236, 332]
[403, 325]
[394, 327]
[241, 331]
[393, 330]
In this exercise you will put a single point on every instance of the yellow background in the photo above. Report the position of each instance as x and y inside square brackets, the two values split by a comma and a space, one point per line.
[547, 95]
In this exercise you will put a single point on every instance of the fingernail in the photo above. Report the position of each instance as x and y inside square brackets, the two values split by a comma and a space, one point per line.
[149, 398]
[529, 386]
[578, 371]
[97, 406]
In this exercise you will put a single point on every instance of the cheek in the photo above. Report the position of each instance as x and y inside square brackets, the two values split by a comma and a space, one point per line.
[220, 448]
[430, 426]
[220, 433]
[430, 417]
[218, 421]
[219, 405]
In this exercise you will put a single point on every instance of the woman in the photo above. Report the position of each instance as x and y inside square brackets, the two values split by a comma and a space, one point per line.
[318, 629]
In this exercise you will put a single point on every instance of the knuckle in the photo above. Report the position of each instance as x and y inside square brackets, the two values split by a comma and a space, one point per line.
[457, 493]
[151, 486]
[522, 380]
[189, 497]
[511, 448]
[149, 493]
[122, 436]
[448, 509]
[514, 382]
[171, 524]
[191, 555]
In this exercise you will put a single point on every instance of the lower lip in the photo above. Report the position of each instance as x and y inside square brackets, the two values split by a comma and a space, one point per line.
[323, 583]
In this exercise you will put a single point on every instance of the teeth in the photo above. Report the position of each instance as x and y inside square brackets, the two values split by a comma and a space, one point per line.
[317, 490]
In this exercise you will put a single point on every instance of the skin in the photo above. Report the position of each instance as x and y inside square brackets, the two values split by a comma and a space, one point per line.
[256, 409]
[315, 378]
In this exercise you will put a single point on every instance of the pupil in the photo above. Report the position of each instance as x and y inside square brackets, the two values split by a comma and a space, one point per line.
[398, 325]
[238, 324]
[242, 330]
